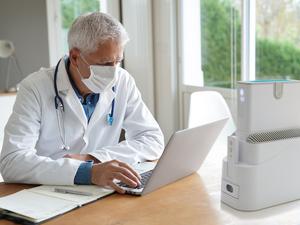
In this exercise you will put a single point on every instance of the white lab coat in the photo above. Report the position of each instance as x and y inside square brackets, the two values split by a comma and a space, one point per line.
[31, 151]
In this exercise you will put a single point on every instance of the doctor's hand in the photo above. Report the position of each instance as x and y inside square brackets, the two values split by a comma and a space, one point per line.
[82, 157]
[103, 174]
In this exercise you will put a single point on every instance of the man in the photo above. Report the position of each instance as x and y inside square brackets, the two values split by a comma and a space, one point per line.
[67, 120]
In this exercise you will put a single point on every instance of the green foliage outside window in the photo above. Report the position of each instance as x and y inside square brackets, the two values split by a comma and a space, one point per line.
[73, 8]
[274, 59]
[70, 10]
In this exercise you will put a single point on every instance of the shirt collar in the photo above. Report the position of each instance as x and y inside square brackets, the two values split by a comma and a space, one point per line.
[90, 96]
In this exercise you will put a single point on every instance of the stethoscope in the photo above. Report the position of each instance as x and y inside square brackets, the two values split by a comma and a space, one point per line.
[60, 109]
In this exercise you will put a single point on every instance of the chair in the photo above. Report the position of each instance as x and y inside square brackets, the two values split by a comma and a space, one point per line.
[209, 106]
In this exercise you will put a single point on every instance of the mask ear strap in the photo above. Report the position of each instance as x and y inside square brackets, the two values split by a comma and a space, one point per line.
[81, 77]
[84, 59]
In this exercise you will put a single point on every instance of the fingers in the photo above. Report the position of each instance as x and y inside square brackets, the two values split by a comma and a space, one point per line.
[67, 156]
[117, 188]
[128, 174]
[105, 174]
[125, 180]
[127, 168]
[130, 169]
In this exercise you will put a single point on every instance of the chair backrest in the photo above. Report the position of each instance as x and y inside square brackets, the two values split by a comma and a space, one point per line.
[209, 106]
[6, 104]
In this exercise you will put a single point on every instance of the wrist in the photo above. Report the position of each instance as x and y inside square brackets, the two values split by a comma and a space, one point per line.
[93, 174]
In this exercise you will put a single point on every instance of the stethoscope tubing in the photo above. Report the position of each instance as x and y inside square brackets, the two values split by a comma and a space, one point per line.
[60, 109]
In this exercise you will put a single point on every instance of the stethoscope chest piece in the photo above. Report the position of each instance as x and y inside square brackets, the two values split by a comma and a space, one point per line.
[60, 110]
[109, 120]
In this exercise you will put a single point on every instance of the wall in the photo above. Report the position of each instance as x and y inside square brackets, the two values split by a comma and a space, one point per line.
[25, 24]
[138, 53]
[151, 57]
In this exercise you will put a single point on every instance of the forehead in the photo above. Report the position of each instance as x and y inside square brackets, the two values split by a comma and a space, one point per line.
[108, 50]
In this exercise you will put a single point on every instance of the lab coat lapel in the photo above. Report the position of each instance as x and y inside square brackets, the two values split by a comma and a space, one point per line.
[68, 94]
[75, 105]
[102, 107]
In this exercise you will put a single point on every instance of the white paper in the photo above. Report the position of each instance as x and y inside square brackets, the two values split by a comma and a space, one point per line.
[34, 205]
[96, 191]
[42, 202]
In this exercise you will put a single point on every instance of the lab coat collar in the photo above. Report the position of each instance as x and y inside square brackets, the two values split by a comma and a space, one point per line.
[69, 96]
[102, 107]
[66, 90]
[63, 82]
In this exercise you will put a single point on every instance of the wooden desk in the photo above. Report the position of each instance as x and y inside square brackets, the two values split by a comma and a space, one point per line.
[190, 201]
[185, 202]
[8, 94]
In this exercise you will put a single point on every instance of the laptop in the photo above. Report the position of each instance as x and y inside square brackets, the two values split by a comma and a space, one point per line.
[183, 155]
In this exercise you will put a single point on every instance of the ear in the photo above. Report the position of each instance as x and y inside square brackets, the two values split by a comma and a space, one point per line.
[74, 55]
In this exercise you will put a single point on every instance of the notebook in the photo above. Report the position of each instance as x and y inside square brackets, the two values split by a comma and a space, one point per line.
[36, 205]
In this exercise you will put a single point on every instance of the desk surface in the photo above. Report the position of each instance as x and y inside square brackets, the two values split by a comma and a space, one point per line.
[8, 94]
[192, 200]
[184, 202]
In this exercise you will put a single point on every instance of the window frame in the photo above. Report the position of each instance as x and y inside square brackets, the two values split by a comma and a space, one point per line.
[54, 24]
[248, 40]
[54, 21]
[247, 61]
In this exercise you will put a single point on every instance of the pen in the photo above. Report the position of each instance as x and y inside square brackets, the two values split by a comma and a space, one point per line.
[69, 191]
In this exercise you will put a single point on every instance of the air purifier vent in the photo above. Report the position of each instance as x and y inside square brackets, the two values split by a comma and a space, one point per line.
[273, 136]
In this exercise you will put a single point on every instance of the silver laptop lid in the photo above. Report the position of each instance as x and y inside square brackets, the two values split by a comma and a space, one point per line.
[184, 154]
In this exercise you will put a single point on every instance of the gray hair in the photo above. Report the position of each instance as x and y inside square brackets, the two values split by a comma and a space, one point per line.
[91, 29]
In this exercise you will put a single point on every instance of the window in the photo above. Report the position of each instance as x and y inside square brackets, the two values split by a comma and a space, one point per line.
[239, 40]
[274, 52]
[210, 38]
[277, 39]
[61, 14]
[221, 42]
[70, 10]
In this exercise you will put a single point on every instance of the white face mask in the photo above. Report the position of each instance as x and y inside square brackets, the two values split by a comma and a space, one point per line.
[101, 79]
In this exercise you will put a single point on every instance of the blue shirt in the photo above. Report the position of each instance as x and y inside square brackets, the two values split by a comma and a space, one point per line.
[91, 100]
[84, 172]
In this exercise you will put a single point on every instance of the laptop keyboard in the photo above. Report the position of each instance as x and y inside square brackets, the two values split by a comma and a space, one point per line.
[145, 177]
